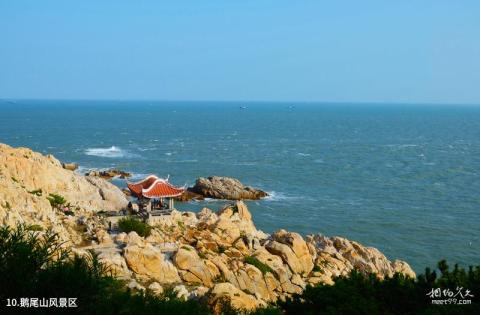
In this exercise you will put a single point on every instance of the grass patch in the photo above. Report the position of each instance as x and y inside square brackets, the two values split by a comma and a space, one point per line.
[56, 200]
[221, 249]
[36, 192]
[257, 263]
[34, 228]
[128, 225]
[186, 248]
[317, 268]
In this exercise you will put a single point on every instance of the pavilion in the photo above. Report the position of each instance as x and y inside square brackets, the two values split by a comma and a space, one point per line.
[153, 187]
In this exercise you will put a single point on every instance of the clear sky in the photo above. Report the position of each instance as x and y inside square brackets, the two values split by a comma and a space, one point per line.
[354, 51]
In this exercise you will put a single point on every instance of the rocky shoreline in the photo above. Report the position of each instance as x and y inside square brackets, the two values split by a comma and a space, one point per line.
[209, 255]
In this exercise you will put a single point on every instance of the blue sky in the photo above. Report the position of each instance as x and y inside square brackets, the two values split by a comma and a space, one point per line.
[343, 51]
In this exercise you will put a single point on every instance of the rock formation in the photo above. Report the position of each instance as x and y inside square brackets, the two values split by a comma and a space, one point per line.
[109, 174]
[225, 188]
[27, 180]
[213, 255]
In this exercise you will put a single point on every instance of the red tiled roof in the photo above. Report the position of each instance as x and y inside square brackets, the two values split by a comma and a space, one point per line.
[154, 187]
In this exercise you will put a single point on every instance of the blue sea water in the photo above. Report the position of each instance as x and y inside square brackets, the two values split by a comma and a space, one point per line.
[402, 178]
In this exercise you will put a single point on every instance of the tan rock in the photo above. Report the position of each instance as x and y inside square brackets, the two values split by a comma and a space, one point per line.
[238, 299]
[156, 288]
[149, 261]
[103, 237]
[188, 260]
[225, 188]
[338, 256]
[35, 171]
[251, 279]
[281, 271]
[182, 292]
[297, 255]
[199, 292]
[115, 262]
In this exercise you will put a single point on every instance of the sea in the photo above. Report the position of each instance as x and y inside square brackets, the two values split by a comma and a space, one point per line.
[403, 178]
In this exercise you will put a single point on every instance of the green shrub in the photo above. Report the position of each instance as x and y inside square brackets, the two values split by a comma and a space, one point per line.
[128, 225]
[257, 263]
[36, 266]
[35, 228]
[56, 200]
[221, 249]
[317, 268]
[37, 192]
[358, 293]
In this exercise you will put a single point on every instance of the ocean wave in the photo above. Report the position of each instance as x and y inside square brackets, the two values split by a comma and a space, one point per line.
[245, 163]
[82, 170]
[185, 161]
[401, 146]
[137, 176]
[278, 196]
[303, 154]
[112, 152]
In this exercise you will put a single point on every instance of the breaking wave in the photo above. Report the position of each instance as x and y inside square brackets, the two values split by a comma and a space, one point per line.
[112, 152]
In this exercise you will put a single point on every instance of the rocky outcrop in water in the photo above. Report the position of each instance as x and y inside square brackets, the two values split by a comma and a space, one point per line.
[109, 174]
[225, 188]
[70, 166]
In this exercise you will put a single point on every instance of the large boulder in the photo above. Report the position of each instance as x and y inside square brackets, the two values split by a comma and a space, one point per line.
[338, 256]
[150, 262]
[293, 250]
[109, 174]
[225, 188]
[227, 292]
[114, 262]
[24, 172]
[192, 268]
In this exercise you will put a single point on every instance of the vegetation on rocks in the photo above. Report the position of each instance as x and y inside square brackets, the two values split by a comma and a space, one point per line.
[36, 192]
[264, 268]
[358, 293]
[37, 266]
[56, 200]
[206, 257]
[128, 225]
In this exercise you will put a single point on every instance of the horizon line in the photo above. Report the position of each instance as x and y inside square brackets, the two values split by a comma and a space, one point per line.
[9, 99]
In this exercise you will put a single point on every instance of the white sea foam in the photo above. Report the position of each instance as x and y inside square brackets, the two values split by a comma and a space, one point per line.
[137, 176]
[278, 196]
[303, 154]
[245, 163]
[186, 161]
[401, 146]
[112, 152]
